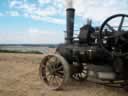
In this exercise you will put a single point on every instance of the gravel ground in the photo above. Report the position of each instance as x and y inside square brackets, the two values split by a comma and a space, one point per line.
[19, 77]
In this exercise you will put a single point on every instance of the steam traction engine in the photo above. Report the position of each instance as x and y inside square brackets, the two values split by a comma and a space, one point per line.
[100, 55]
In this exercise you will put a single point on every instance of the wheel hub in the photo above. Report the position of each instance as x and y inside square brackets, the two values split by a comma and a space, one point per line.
[51, 70]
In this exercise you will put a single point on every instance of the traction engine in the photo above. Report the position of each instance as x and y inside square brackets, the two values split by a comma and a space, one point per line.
[96, 54]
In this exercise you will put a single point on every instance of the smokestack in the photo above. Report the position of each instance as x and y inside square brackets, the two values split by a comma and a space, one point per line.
[69, 25]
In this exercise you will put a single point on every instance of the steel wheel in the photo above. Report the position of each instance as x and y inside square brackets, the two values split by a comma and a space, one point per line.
[54, 71]
[82, 75]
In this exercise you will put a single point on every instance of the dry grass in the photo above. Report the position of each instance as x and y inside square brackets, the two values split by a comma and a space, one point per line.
[19, 77]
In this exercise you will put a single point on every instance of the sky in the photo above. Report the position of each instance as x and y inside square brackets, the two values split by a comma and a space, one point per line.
[43, 21]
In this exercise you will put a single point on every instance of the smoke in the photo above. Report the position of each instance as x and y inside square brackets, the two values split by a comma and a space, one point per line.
[99, 10]
[69, 3]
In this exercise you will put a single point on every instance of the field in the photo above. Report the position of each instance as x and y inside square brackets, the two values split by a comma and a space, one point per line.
[19, 77]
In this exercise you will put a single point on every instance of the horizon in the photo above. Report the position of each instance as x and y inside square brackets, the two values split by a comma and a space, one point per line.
[44, 21]
[29, 44]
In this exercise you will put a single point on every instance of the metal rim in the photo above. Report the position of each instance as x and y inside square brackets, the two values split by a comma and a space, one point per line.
[54, 71]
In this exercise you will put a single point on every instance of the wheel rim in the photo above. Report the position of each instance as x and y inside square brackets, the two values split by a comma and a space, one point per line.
[53, 72]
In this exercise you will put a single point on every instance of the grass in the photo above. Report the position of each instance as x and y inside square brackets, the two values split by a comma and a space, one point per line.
[15, 51]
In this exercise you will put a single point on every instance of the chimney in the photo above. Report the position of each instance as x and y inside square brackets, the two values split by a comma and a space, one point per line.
[70, 12]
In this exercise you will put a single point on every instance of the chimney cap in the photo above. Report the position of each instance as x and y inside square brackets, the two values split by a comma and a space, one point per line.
[70, 9]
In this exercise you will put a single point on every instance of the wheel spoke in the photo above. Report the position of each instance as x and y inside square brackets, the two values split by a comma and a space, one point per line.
[53, 80]
[111, 28]
[85, 67]
[61, 72]
[79, 74]
[55, 64]
[51, 60]
[48, 67]
[75, 76]
[59, 68]
[51, 66]
[50, 79]
[57, 61]
[120, 25]
[83, 74]
[57, 83]
[59, 79]
[47, 74]
[60, 75]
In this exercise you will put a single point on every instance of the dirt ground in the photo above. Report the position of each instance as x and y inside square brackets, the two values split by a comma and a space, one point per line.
[19, 77]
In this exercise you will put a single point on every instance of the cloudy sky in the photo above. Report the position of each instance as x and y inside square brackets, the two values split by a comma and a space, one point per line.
[43, 21]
